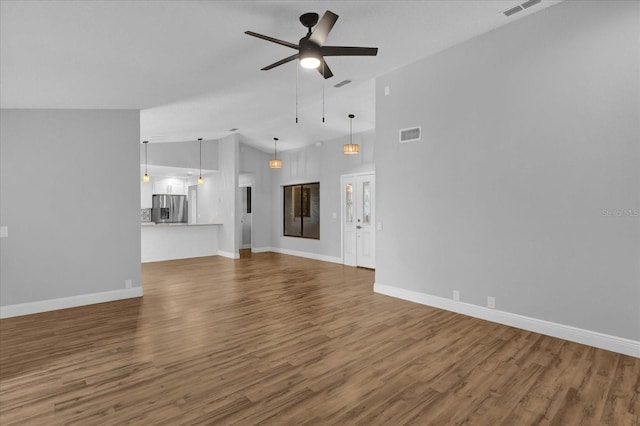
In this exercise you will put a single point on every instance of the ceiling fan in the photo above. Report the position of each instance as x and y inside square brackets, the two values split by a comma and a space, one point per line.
[311, 48]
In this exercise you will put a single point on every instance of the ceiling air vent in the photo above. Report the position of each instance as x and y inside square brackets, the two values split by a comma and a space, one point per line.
[530, 3]
[527, 4]
[342, 83]
[512, 11]
[410, 135]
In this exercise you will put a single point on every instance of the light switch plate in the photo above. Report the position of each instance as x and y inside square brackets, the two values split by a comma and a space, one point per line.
[379, 226]
[4, 231]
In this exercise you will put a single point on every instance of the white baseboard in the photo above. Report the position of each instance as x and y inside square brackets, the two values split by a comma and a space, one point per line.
[68, 302]
[260, 249]
[573, 334]
[245, 246]
[228, 254]
[307, 255]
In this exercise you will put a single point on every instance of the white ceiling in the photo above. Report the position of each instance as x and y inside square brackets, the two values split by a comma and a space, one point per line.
[191, 70]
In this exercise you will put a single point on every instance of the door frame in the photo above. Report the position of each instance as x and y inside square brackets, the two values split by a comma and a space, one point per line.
[343, 179]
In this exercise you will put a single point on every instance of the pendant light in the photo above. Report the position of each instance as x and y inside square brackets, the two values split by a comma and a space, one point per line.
[351, 148]
[200, 180]
[145, 177]
[275, 163]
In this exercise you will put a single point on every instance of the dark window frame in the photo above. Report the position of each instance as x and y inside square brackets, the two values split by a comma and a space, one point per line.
[304, 208]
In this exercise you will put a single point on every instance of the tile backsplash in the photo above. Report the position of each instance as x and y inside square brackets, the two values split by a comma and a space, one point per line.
[145, 215]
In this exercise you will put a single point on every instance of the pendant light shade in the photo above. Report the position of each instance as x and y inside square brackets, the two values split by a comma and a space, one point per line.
[145, 177]
[200, 180]
[351, 148]
[275, 163]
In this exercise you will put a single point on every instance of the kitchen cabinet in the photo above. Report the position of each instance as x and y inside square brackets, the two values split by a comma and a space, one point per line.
[169, 186]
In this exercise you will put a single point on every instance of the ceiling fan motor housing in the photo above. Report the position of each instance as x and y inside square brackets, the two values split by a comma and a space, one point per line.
[309, 49]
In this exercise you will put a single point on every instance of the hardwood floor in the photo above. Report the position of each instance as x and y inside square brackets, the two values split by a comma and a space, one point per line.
[275, 339]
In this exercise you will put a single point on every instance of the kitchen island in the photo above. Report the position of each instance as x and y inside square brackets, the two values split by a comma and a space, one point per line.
[168, 241]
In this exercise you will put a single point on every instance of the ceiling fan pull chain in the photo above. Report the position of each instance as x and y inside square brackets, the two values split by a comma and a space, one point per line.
[323, 90]
[297, 66]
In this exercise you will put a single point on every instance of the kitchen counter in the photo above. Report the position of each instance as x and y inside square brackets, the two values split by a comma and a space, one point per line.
[168, 241]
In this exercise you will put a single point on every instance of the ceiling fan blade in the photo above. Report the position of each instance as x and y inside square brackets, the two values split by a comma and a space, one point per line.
[321, 31]
[280, 62]
[273, 40]
[348, 51]
[325, 68]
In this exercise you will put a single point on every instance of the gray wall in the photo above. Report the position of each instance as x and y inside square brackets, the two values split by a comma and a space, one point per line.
[70, 195]
[530, 139]
[324, 164]
[256, 163]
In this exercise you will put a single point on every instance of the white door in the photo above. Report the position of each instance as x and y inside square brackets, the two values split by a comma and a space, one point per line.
[358, 220]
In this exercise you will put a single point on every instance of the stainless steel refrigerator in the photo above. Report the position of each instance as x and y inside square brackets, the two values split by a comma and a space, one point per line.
[169, 208]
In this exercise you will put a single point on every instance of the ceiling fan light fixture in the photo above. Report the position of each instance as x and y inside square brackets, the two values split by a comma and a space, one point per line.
[310, 62]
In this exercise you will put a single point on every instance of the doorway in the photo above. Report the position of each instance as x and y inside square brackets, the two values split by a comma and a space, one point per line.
[358, 220]
[246, 218]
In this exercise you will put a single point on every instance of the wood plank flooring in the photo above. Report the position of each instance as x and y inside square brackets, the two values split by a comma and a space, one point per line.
[275, 339]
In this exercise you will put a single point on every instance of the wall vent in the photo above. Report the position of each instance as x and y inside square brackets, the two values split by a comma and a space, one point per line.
[412, 134]
[342, 83]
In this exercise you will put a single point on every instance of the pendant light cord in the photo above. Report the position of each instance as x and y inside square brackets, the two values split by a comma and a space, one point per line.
[297, 72]
[351, 129]
[145, 157]
[275, 141]
[200, 157]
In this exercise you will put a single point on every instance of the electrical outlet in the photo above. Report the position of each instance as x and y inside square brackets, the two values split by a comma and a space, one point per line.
[456, 295]
[387, 90]
[491, 302]
[128, 284]
[4, 231]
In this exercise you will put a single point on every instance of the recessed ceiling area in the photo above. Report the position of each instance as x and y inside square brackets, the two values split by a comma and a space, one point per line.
[191, 70]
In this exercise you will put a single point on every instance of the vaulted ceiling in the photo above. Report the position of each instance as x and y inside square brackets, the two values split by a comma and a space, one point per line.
[191, 70]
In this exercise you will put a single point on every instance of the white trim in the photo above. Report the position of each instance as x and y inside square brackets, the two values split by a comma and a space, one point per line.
[68, 302]
[228, 254]
[307, 255]
[260, 249]
[566, 332]
[245, 246]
